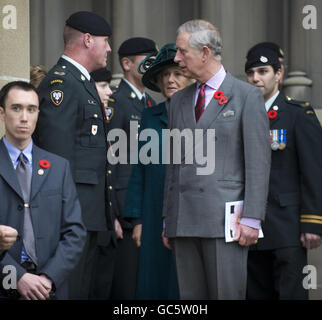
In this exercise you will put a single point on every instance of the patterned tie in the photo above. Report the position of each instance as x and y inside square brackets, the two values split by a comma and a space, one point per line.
[24, 178]
[201, 102]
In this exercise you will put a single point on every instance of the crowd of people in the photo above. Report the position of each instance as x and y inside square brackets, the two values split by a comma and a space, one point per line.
[77, 226]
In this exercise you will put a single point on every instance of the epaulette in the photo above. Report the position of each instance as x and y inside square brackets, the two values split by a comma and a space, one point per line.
[60, 70]
[114, 88]
[302, 104]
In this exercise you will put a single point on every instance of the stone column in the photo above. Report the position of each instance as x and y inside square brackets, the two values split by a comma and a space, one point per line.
[305, 49]
[240, 28]
[14, 35]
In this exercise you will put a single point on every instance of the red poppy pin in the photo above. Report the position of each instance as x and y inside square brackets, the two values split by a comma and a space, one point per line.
[149, 104]
[220, 96]
[44, 164]
[272, 114]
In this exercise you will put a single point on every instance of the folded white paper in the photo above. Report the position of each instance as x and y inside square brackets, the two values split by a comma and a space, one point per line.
[233, 214]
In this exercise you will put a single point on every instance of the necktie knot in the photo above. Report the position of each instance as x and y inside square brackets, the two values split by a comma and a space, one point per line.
[22, 159]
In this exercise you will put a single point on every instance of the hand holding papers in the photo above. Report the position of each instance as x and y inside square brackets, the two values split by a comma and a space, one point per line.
[233, 214]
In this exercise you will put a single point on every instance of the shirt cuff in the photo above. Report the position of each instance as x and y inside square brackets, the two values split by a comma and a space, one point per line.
[251, 222]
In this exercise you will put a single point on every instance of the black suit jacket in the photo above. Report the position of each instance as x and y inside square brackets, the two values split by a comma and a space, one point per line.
[72, 124]
[125, 108]
[55, 213]
[294, 201]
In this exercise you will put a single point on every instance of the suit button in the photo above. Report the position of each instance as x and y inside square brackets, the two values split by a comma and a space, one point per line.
[201, 190]
[20, 207]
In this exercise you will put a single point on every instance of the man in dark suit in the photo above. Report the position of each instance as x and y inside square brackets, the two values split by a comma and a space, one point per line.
[38, 198]
[8, 236]
[294, 211]
[72, 124]
[125, 108]
[194, 200]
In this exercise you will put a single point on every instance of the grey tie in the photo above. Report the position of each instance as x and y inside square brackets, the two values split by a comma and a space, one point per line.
[24, 178]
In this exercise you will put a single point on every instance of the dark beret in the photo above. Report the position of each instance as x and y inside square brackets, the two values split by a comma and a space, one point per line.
[153, 65]
[101, 75]
[89, 22]
[137, 46]
[262, 56]
[270, 45]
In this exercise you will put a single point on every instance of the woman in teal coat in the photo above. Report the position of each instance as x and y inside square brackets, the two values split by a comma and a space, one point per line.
[156, 273]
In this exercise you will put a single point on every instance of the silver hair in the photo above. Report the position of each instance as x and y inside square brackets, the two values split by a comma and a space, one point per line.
[203, 33]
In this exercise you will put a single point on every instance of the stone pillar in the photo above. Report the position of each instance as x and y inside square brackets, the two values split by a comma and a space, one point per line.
[239, 27]
[14, 35]
[305, 48]
[298, 86]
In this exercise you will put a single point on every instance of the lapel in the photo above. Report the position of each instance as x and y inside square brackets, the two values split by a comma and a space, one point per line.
[37, 179]
[188, 108]
[277, 102]
[7, 170]
[89, 86]
[214, 108]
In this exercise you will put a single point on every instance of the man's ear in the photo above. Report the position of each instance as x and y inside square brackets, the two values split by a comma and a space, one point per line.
[126, 62]
[87, 40]
[206, 53]
[278, 75]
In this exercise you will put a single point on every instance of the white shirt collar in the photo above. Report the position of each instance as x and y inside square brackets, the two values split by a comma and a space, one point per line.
[78, 66]
[136, 90]
[270, 101]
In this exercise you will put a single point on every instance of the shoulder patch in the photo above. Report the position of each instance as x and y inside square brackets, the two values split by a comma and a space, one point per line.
[57, 97]
[56, 81]
[109, 112]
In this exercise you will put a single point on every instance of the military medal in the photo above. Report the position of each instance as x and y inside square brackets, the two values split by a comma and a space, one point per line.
[274, 140]
[282, 145]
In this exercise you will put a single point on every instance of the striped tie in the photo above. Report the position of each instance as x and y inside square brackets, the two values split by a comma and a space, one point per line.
[201, 102]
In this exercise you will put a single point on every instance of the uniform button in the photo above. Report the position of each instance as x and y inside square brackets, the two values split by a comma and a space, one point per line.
[110, 187]
[109, 172]
[64, 67]
[95, 115]
[110, 204]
